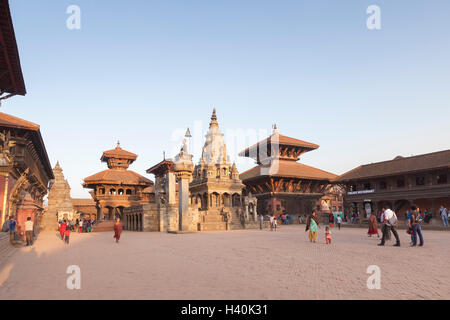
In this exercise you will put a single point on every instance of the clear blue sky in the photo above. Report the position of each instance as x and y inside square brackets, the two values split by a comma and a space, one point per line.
[142, 71]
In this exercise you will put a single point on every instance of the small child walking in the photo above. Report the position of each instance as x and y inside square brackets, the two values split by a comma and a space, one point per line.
[67, 236]
[327, 235]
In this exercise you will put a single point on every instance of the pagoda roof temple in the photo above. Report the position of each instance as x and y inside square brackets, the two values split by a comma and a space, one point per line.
[278, 170]
[118, 161]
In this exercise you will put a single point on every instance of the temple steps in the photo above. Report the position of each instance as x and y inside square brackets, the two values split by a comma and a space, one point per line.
[213, 218]
[104, 226]
[212, 226]
[6, 248]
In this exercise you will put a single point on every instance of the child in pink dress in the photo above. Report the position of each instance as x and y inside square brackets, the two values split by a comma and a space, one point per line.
[327, 235]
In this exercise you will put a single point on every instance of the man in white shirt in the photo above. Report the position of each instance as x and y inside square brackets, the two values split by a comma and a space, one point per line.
[29, 231]
[391, 221]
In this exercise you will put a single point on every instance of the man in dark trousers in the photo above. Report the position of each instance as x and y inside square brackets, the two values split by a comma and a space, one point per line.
[391, 221]
[29, 231]
[414, 224]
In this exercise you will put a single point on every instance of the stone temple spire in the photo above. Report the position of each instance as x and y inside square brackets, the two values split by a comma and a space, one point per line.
[214, 150]
[214, 122]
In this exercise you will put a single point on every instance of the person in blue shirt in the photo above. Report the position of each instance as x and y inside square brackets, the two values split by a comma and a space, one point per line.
[12, 227]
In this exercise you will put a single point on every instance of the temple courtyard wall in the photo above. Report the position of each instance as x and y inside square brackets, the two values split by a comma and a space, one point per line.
[152, 217]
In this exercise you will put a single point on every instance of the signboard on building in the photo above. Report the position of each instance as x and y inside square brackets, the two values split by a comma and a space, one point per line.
[353, 193]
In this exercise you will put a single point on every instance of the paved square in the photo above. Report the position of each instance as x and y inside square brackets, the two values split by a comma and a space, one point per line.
[247, 264]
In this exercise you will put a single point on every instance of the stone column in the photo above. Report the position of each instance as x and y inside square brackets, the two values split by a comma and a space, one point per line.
[99, 213]
[183, 168]
[170, 188]
[183, 198]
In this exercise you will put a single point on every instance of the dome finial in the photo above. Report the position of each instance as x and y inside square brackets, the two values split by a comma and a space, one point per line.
[214, 119]
[118, 144]
[188, 133]
[275, 128]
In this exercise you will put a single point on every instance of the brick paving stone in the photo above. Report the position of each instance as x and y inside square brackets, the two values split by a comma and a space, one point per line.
[242, 264]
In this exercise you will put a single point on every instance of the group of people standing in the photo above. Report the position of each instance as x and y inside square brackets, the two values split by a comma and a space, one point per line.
[389, 223]
[84, 225]
[66, 227]
[13, 228]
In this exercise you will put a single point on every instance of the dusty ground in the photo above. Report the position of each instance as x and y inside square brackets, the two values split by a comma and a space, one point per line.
[247, 264]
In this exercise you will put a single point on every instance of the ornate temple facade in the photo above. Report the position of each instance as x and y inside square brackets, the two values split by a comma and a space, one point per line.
[59, 201]
[117, 187]
[280, 183]
[216, 189]
[201, 198]
[25, 170]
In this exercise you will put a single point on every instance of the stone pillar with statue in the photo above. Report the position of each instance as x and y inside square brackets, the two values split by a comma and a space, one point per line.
[183, 168]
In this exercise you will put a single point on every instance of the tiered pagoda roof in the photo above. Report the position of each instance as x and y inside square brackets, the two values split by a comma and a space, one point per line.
[118, 161]
[287, 170]
[277, 156]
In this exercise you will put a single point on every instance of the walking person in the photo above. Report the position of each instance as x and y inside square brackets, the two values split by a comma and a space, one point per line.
[312, 224]
[67, 235]
[29, 231]
[261, 220]
[414, 224]
[331, 220]
[339, 221]
[80, 226]
[373, 226]
[390, 222]
[117, 230]
[12, 228]
[383, 222]
[275, 223]
[327, 235]
[271, 223]
[62, 229]
[444, 215]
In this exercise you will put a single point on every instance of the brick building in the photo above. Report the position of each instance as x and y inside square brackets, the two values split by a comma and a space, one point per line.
[422, 180]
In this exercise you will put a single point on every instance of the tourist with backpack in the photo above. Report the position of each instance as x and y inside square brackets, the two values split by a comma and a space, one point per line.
[390, 225]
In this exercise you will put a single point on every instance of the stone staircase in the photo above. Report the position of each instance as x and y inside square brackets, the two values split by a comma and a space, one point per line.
[237, 224]
[213, 221]
[6, 248]
[104, 226]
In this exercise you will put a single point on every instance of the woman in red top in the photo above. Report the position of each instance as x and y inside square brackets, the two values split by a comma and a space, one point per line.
[62, 229]
[117, 230]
